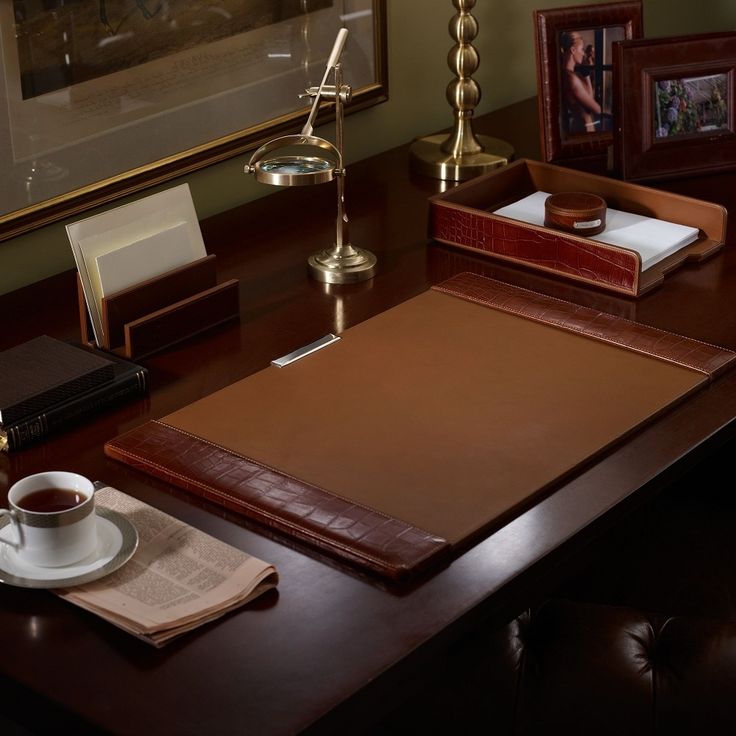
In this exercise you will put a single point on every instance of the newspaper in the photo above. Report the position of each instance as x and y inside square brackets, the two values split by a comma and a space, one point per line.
[178, 578]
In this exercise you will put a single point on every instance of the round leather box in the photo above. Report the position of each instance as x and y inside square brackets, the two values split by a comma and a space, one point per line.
[575, 212]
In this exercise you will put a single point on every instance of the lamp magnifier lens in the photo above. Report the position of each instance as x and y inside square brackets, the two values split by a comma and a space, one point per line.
[296, 165]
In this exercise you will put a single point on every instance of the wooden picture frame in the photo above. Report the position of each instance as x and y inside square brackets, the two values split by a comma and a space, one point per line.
[100, 100]
[575, 78]
[676, 102]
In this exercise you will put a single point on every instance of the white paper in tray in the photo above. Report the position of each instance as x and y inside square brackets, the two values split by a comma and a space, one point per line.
[132, 243]
[653, 239]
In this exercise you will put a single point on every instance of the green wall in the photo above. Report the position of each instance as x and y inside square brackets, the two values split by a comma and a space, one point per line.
[418, 45]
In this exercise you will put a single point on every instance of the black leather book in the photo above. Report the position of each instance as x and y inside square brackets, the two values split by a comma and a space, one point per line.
[43, 372]
[130, 380]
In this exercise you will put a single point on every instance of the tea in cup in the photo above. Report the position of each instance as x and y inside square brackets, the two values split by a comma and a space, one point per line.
[53, 519]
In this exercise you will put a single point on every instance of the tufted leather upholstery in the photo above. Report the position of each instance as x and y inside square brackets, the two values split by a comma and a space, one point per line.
[643, 641]
[596, 669]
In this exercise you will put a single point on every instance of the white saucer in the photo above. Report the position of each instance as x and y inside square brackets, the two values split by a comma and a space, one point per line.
[117, 541]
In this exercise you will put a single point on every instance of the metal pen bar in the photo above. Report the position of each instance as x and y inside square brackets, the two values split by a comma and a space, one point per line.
[302, 352]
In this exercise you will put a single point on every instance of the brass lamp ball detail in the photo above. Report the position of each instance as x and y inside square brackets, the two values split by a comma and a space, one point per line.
[462, 154]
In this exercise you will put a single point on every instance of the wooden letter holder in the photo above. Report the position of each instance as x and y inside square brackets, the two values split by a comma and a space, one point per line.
[161, 311]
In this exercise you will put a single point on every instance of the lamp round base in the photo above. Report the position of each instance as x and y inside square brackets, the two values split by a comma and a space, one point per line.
[331, 268]
[428, 158]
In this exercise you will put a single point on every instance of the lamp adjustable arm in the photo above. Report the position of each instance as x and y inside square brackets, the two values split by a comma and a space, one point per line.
[335, 55]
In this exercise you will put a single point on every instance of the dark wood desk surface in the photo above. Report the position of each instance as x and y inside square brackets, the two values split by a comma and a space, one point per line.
[330, 648]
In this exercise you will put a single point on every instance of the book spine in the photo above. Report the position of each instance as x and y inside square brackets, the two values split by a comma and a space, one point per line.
[32, 430]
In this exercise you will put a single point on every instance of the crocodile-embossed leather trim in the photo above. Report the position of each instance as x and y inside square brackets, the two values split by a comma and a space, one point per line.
[667, 346]
[549, 250]
[382, 544]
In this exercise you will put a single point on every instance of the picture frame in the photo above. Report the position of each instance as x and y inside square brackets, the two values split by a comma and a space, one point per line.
[573, 48]
[102, 99]
[676, 102]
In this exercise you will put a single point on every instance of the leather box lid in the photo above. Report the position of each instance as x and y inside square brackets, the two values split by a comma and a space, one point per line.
[576, 212]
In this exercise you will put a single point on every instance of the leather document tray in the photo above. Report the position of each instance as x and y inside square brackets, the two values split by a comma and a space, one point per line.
[425, 426]
[464, 216]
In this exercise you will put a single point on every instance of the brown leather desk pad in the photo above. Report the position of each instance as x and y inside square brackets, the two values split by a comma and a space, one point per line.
[426, 425]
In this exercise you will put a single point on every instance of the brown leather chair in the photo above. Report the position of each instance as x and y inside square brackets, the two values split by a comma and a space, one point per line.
[642, 641]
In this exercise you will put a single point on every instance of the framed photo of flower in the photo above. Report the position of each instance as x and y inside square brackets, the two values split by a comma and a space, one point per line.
[675, 99]
[574, 48]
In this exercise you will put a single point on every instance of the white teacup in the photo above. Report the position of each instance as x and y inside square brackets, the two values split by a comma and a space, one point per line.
[53, 515]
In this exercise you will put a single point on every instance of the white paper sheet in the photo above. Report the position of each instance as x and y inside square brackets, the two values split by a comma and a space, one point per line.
[653, 239]
[132, 243]
[145, 258]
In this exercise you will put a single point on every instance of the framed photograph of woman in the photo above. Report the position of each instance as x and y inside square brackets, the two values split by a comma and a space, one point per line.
[676, 99]
[574, 48]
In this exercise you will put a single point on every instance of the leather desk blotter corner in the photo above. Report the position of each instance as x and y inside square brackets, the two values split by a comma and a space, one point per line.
[425, 426]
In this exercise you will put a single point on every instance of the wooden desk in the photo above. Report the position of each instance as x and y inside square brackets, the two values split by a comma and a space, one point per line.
[330, 650]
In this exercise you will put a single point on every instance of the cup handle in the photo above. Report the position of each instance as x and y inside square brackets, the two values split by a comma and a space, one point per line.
[14, 523]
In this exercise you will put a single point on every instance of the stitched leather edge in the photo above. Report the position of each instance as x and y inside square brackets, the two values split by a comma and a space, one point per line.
[683, 351]
[444, 217]
[387, 546]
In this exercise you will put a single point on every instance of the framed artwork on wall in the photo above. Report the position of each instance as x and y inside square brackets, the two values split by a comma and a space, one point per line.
[676, 101]
[574, 49]
[99, 99]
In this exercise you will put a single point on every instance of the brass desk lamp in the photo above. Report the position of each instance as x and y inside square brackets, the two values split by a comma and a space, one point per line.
[302, 159]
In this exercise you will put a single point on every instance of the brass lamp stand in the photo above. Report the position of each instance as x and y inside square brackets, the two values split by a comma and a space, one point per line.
[308, 159]
[461, 155]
